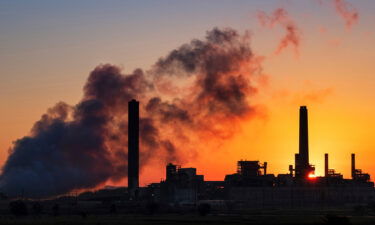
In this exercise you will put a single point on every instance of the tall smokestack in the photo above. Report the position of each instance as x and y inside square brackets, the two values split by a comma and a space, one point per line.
[353, 166]
[326, 165]
[133, 146]
[303, 138]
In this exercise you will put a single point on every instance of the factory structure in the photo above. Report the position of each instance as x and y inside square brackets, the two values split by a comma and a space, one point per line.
[251, 186]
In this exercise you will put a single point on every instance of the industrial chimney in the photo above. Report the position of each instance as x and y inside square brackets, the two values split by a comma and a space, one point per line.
[302, 166]
[133, 147]
[326, 165]
[303, 137]
[353, 166]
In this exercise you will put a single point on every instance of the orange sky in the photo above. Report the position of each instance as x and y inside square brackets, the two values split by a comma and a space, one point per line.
[333, 75]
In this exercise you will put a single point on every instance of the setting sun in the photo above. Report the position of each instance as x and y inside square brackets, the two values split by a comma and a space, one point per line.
[312, 176]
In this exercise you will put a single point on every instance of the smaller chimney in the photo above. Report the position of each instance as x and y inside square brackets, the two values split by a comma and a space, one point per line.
[265, 168]
[353, 165]
[326, 165]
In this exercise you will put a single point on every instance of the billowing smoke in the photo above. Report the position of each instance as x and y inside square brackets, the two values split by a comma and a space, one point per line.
[280, 17]
[202, 89]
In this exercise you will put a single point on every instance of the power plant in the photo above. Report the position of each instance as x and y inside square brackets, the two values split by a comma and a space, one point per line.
[251, 186]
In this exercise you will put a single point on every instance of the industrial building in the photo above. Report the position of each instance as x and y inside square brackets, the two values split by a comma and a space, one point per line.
[251, 186]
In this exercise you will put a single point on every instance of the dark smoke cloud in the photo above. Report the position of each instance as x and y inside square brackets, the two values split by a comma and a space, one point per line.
[167, 111]
[83, 146]
[281, 17]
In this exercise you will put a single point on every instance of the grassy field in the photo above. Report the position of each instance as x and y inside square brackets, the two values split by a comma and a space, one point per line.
[275, 218]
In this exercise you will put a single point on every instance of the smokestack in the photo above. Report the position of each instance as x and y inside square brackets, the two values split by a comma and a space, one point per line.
[303, 138]
[265, 168]
[353, 165]
[133, 146]
[326, 165]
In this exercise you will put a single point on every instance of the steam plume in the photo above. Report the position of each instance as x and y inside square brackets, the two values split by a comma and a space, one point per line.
[83, 146]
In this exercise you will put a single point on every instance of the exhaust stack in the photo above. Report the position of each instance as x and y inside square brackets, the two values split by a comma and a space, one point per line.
[133, 147]
[303, 169]
[353, 165]
[326, 165]
[303, 137]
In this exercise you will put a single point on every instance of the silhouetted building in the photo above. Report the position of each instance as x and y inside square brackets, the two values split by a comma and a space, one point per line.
[330, 174]
[249, 173]
[357, 174]
[133, 147]
[252, 187]
[181, 185]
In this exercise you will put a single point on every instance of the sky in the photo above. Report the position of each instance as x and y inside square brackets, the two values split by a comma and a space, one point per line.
[48, 48]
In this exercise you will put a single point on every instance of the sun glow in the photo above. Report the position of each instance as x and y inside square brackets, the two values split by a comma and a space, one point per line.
[311, 176]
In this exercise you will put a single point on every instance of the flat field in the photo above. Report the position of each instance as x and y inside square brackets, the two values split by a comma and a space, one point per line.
[278, 217]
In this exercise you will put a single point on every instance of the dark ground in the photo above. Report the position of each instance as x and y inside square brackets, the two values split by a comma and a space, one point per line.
[274, 217]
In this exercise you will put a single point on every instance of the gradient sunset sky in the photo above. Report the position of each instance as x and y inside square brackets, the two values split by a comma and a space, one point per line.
[48, 48]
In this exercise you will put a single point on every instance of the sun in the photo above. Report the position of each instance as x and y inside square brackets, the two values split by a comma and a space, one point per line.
[311, 176]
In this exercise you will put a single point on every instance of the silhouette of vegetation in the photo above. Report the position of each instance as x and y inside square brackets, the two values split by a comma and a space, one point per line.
[18, 208]
[336, 220]
[204, 209]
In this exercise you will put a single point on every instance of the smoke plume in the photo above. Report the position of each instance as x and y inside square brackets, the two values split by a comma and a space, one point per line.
[345, 10]
[202, 89]
[281, 18]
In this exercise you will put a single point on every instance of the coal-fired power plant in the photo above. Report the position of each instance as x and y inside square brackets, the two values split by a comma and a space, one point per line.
[252, 187]
[133, 147]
